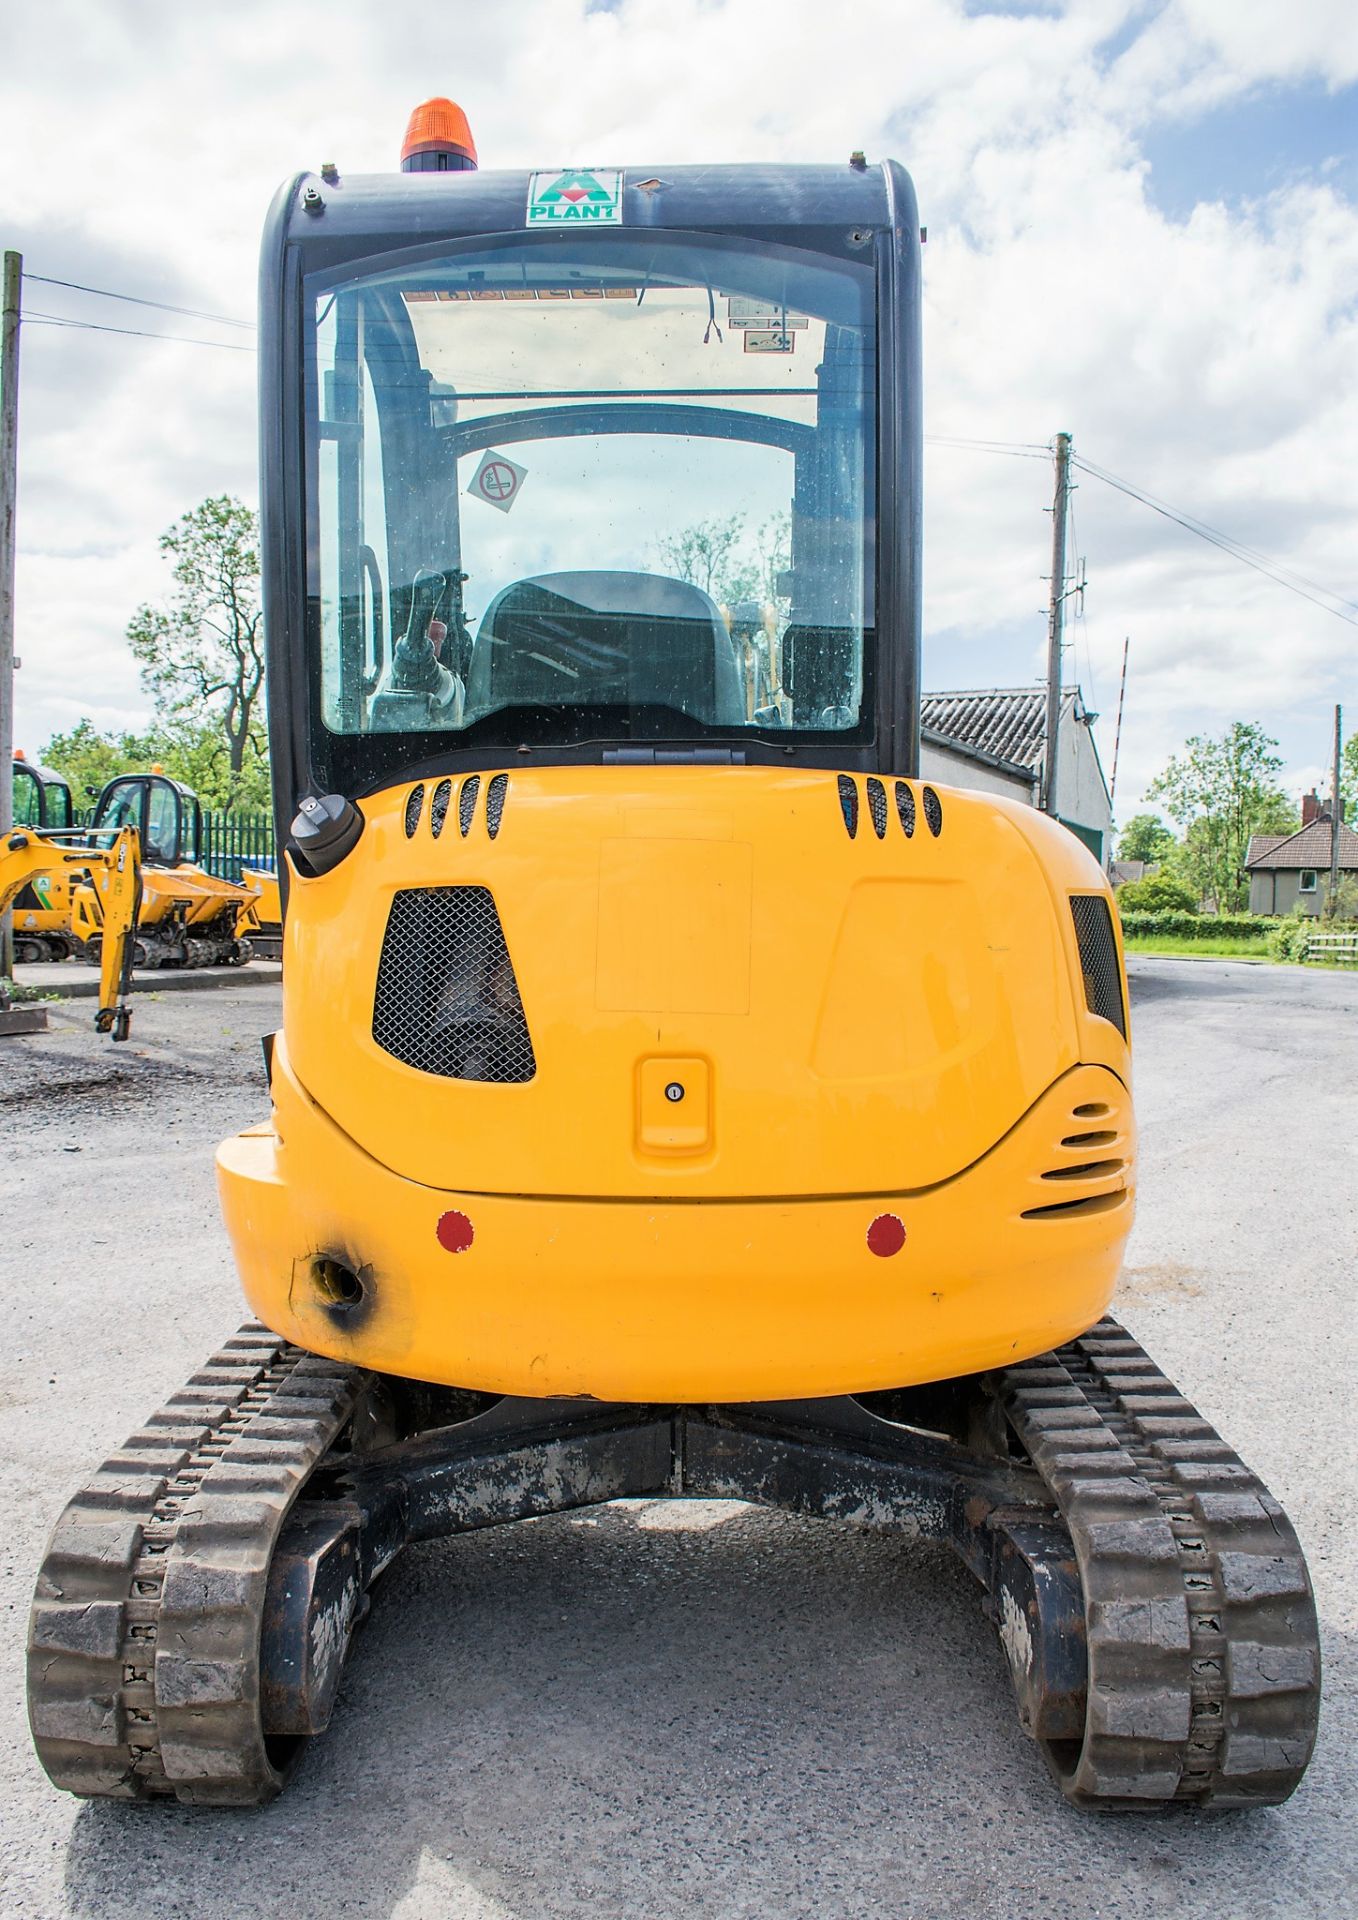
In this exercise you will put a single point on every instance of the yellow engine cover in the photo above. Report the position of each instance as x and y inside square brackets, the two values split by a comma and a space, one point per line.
[731, 1000]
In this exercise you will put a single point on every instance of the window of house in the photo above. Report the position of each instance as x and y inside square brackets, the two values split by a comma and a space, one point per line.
[1308, 880]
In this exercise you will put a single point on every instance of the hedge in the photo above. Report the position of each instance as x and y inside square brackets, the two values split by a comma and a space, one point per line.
[1197, 926]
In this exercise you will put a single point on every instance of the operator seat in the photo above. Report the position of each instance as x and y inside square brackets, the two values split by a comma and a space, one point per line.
[605, 639]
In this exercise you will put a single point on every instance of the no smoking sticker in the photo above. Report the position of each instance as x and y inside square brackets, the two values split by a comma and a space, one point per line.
[497, 481]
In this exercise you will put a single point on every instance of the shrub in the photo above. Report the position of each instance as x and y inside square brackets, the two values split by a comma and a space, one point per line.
[1157, 893]
[1288, 938]
[1197, 926]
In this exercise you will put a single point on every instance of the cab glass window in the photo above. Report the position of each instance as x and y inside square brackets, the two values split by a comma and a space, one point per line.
[162, 823]
[27, 798]
[616, 487]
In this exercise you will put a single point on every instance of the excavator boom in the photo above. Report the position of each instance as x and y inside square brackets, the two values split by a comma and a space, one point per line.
[114, 875]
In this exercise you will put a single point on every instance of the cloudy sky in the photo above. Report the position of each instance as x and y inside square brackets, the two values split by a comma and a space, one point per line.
[1143, 228]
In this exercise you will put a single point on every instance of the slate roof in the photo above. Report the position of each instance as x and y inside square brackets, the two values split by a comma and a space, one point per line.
[1307, 847]
[1003, 722]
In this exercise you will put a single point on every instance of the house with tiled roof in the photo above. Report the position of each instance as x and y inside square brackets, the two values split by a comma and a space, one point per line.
[1290, 870]
[993, 739]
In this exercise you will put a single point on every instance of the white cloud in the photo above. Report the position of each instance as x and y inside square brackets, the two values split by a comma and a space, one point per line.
[1211, 360]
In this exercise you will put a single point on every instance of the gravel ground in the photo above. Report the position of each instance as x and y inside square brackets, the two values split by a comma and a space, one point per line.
[660, 1709]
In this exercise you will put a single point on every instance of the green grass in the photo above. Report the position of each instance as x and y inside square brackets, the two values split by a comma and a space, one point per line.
[1180, 948]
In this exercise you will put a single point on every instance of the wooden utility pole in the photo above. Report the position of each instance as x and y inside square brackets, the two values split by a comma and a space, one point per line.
[1336, 816]
[9, 469]
[1056, 621]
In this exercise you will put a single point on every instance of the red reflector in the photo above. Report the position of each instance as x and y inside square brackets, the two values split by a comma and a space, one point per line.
[455, 1232]
[886, 1235]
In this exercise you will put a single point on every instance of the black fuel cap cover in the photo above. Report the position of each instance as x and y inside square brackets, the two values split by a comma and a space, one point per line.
[324, 829]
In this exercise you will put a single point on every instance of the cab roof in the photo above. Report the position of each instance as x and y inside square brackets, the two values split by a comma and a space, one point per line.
[342, 217]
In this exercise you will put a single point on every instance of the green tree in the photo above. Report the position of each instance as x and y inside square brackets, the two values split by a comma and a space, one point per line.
[1348, 778]
[729, 562]
[195, 755]
[1220, 791]
[202, 655]
[1157, 893]
[703, 553]
[1146, 837]
[90, 759]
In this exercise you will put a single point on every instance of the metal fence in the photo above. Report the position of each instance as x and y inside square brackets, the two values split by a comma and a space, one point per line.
[235, 840]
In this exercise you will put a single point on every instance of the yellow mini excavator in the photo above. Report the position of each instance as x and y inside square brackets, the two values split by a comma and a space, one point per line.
[42, 906]
[112, 870]
[188, 917]
[676, 1094]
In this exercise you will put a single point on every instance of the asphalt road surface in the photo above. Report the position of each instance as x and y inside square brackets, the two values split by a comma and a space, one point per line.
[659, 1709]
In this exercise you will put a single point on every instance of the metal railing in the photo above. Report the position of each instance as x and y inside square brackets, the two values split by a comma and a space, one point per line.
[235, 840]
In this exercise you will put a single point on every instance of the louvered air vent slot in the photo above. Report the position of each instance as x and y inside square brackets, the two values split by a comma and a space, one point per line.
[848, 803]
[414, 806]
[905, 807]
[1099, 958]
[495, 803]
[877, 807]
[1090, 1170]
[933, 812]
[1077, 1209]
[438, 807]
[447, 1001]
[466, 803]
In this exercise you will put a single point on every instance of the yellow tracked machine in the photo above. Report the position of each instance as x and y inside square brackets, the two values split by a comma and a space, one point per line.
[675, 1094]
[188, 916]
[42, 905]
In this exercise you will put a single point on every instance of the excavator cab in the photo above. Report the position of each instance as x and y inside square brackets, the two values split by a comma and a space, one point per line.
[42, 798]
[165, 813]
[675, 1095]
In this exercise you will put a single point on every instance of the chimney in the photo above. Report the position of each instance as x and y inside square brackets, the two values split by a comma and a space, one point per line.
[1311, 809]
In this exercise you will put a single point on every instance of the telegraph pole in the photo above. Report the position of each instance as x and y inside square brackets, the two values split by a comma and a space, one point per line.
[1336, 816]
[1056, 620]
[9, 469]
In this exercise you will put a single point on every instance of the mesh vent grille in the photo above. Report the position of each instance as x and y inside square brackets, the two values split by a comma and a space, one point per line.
[905, 807]
[933, 812]
[466, 804]
[877, 807]
[438, 806]
[447, 1000]
[848, 803]
[495, 803]
[414, 806]
[1099, 958]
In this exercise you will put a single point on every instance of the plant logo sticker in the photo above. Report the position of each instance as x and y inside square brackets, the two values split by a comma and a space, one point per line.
[575, 196]
[497, 481]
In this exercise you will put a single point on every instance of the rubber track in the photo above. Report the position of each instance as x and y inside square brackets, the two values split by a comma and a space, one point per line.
[143, 1662]
[1204, 1659]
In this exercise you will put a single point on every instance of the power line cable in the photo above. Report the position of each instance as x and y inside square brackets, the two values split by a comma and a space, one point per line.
[137, 333]
[1282, 576]
[136, 300]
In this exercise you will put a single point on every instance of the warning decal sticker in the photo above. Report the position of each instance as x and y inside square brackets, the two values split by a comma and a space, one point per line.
[497, 481]
[575, 196]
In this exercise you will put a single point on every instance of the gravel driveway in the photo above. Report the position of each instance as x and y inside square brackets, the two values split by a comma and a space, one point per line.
[658, 1709]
